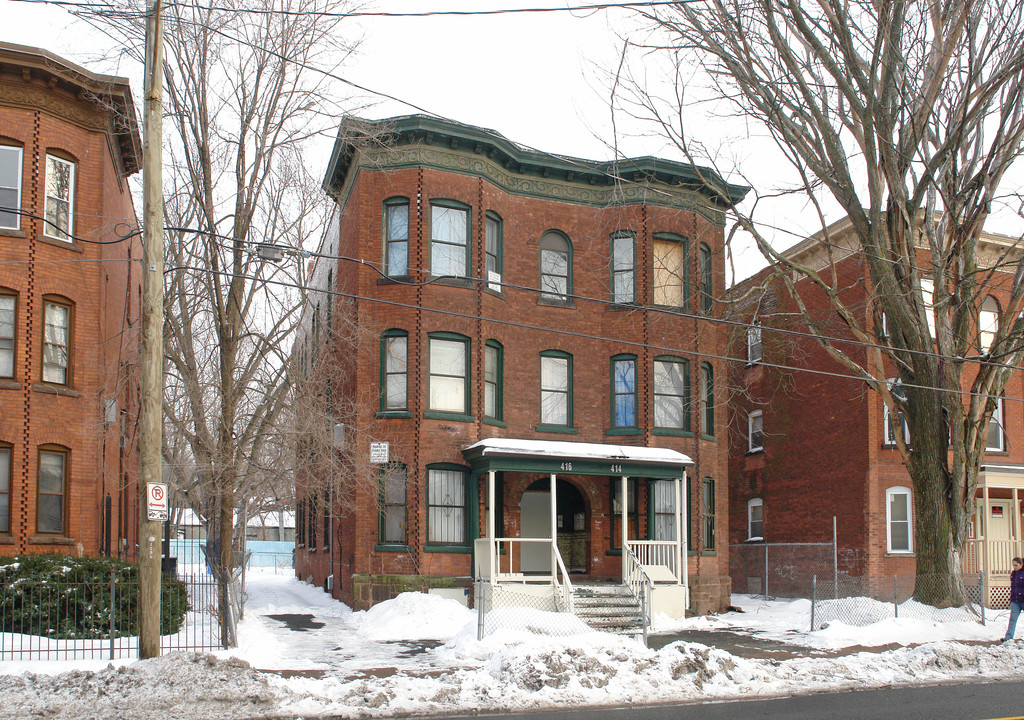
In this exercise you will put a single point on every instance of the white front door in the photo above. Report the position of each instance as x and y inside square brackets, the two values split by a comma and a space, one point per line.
[999, 520]
[535, 514]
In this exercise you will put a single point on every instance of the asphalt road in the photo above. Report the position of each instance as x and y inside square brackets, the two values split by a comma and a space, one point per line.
[1002, 700]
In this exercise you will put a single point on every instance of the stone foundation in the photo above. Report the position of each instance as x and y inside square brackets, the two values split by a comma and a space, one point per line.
[710, 594]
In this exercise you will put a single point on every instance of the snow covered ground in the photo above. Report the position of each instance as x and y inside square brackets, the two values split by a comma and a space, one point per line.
[419, 654]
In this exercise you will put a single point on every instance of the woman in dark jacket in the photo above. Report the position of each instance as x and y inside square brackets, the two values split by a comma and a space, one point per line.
[1016, 596]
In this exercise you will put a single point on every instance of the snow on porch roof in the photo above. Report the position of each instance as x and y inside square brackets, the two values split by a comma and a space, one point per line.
[562, 451]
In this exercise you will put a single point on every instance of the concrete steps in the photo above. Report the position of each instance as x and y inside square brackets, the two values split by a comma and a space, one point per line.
[608, 608]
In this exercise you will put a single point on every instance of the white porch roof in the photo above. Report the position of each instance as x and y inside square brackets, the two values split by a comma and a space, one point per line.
[512, 447]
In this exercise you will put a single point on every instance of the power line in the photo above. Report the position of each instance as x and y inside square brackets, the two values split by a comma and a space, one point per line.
[571, 333]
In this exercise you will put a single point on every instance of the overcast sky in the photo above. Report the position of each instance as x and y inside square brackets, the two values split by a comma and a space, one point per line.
[540, 79]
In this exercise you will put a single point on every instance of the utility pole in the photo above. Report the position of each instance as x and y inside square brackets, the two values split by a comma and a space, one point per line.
[150, 437]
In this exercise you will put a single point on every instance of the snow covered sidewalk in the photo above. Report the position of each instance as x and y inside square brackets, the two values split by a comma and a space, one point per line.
[419, 654]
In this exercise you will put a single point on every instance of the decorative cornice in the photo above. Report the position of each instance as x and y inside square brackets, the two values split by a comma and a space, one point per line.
[32, 98]
[423, 141]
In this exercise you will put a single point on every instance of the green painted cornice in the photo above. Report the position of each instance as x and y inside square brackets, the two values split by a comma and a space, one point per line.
[421, 140]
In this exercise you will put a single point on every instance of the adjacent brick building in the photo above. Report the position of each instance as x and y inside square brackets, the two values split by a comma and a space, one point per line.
[809, 443]
[472, 289]
[69, 307]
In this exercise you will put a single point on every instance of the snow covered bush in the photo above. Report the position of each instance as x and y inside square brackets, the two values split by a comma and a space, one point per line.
[61, 597]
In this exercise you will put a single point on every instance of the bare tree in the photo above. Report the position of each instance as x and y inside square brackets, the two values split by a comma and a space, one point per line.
[907, 117]
[247, 86]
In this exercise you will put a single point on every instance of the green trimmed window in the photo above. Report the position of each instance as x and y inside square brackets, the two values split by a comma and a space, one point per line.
[51, 510]
[60, 198]
[10, 186]
[493, 251]
[706, 280]
[707, 396]
[672, 393]
[708, 501]
[663, 509]
[8, 305]
[396, 236]
[555, 266]
[493, 371]
[556, 388]
[446, 505]
[623, 387]
[394, 371]
[623, 266]
[5, 489]
[393, 507]
[449, 373]
[671, 274]
[449, 238]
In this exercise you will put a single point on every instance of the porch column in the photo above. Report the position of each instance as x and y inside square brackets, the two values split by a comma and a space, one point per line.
[677, 504]
[983, 530]
[624, 505]
[1016, 522]
[684, 515]
[554, 528]
[492, 544]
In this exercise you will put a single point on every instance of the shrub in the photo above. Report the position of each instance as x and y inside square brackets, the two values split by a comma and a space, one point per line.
[62, 597]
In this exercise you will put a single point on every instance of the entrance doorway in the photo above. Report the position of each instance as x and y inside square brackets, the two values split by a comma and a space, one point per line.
[571, 522]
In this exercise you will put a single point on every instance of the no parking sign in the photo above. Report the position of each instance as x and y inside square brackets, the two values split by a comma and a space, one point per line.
[156, 501]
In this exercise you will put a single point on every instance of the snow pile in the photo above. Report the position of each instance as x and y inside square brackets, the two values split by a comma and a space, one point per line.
[414, 616]
[388, 661]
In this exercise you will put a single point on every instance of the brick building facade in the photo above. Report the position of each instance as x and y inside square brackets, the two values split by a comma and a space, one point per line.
[69, 307]
[488, 291]
[809, 443]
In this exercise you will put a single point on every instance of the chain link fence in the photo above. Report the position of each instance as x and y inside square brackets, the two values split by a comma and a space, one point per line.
[865, 600]
[835, 582]
[77, 618]
[523, 608]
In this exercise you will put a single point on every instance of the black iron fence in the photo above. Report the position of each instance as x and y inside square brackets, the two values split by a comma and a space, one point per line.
[76, 618]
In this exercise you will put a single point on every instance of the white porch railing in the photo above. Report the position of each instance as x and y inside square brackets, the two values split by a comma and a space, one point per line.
[655, 553]
[639, 583]
[991, 556]
[505, 557]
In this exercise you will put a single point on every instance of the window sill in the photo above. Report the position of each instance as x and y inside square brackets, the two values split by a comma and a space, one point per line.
[754, 540]
[614, 552]
[49, 389]
[392, 548]
[452, 281]
[705, 436]
[393, 414]
[57, 242]
[555, 302]
[50, 540]
[755, 451]
[624, 431]
[709, 553]
[621, 306]
[396, 280]
[496, 293]
[454, 417]
[311, 550]
[495, 423]
[6, 540]
[899, 553]
[672, 431]
[11, 232]
[10, 385]
[456, 549]
[564, 429]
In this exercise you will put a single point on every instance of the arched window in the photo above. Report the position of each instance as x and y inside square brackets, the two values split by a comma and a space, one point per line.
[755, 519]
[493, 251]
[394, 371]
[555, 266]
[60, 198]
[58, 336]
[5, 488]
[52, 490]
[555, 390]
[396, 236]
[8, 314]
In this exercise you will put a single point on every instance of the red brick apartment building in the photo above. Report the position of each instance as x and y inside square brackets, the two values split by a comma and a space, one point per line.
[69, 307]
[809, 446]
[519, 323]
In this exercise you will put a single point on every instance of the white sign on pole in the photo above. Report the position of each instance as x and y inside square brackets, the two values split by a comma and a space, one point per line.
[379, 453]
[156, 501]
